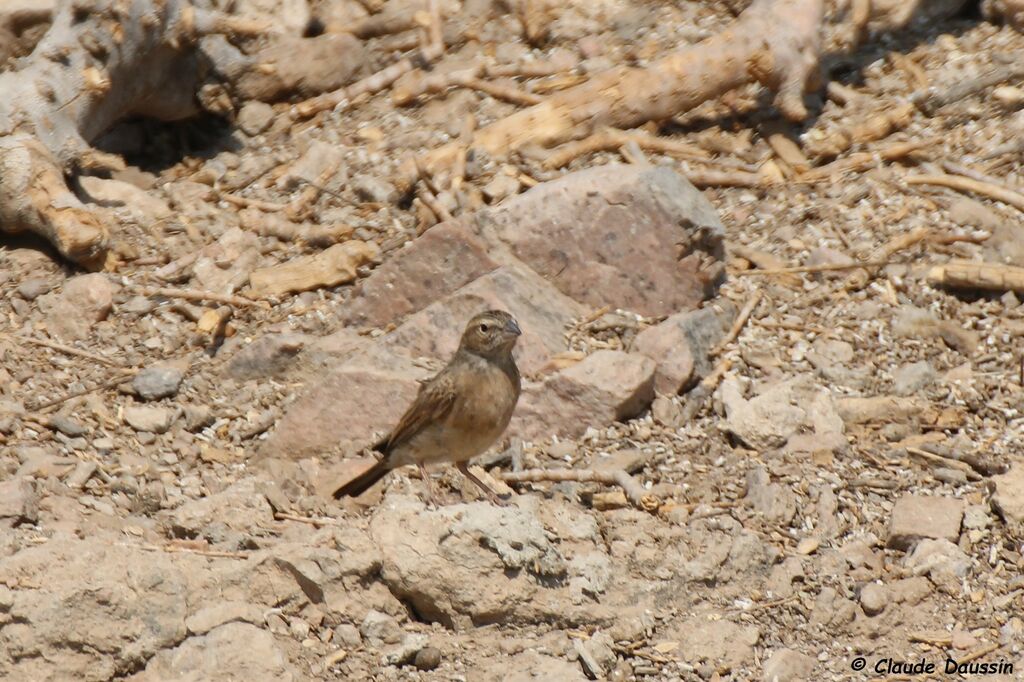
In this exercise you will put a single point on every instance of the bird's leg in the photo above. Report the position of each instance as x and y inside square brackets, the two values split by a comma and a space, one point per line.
[491, 495]
[431, 493]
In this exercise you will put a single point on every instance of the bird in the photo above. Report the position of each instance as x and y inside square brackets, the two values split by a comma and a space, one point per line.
[458, 413]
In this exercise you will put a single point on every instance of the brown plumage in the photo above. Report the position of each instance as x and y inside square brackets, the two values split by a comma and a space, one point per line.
[459, 413]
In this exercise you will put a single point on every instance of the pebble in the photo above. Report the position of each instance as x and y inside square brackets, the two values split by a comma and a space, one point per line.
[33, 288]
[873, 598]
[255, 117]
[428, 658]
[149, 419]
[67, 425]
[154, 383]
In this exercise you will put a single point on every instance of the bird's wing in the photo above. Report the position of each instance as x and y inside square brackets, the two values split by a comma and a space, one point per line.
[433, 403]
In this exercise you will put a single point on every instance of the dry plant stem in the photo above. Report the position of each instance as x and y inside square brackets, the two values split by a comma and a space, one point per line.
[738, 323]
[368, 85]
[828, 267]
[197, 295]
[246, 202]
[962, 184]
[60, 347]
[313, 521]
[714, 178]
[970, 275]
[935, 98]
[110, 383]
[608, 139]
[773, 42]
[216, 554]
[855, 163]
[633, 490]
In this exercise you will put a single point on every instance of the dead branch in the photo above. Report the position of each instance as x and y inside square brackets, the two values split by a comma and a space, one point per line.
[755, 47]
[860, 127]
[608, 139]
[62, 348]
[963, 184]
[937, 97]
[861, 161]
[196, 295]
[827, 267]
[633, 490]
[345, 97]
[971, 275]
[334, 266]
[738, 323]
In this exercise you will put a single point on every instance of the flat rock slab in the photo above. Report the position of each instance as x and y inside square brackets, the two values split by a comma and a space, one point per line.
[348, 407]
[630, 237]
[918, 517]
[681, 345]
[541, 310]
[1009, 495]
[605, 386]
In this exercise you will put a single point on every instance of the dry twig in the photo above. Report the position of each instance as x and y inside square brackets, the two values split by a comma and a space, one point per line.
[971, 275]
[738, 323]
[962, 184]
[60, 347]
[633, 490]
[197, 295]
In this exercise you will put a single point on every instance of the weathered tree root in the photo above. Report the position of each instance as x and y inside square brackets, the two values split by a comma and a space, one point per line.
[101, 60]
[105, 60]
[773, 42]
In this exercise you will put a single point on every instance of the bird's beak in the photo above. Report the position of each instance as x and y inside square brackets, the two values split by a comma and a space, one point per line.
[513, 328]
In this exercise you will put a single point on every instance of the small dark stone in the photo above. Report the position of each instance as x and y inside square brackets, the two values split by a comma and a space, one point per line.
[428, 658]
[154, 383]
[68, 426]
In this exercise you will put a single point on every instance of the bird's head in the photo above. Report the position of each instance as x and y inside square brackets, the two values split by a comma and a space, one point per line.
[491, 333]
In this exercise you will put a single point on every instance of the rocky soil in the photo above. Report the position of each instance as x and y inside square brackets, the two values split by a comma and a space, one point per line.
[843, 479]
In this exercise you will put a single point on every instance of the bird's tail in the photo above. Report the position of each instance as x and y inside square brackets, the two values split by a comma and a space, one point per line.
[361, 483]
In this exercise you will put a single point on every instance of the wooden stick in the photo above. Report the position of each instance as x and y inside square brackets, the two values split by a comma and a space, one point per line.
[971, 275]
[607, 139]
[69, 350]
[738, 323]
[187, 550]
[633, 490]
[827, 267]
[197, 295]
[319, 522]
[498, 90]
[110, 383]
[962, 184]
[367, 86]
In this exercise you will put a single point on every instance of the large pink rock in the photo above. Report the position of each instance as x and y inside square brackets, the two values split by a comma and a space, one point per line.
[606, 386]
[438, 262]
[542, 313]
[349, 407]
[681, 344]
[632, 237]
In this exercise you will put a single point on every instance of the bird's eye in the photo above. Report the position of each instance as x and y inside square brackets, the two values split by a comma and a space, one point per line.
[484, 327]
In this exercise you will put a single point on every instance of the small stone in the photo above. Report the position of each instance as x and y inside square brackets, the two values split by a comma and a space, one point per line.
[912, 378]
[787, 665]
[873, 598]
[428, 658]
[379, 628]
[501, 186]
[1009, 96]
[255, 117]
[370, 188]
[150, 419]
[1008, 499]
[406, 650]
[938, 558]
[32, 288]
[916, 517]
[19, 502]
[347, 635]
[103, 445]
[154, 383]
[197, 417]
[67, 425]
[84, 301]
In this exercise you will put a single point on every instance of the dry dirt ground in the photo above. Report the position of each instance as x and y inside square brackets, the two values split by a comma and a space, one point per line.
[854, 487]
